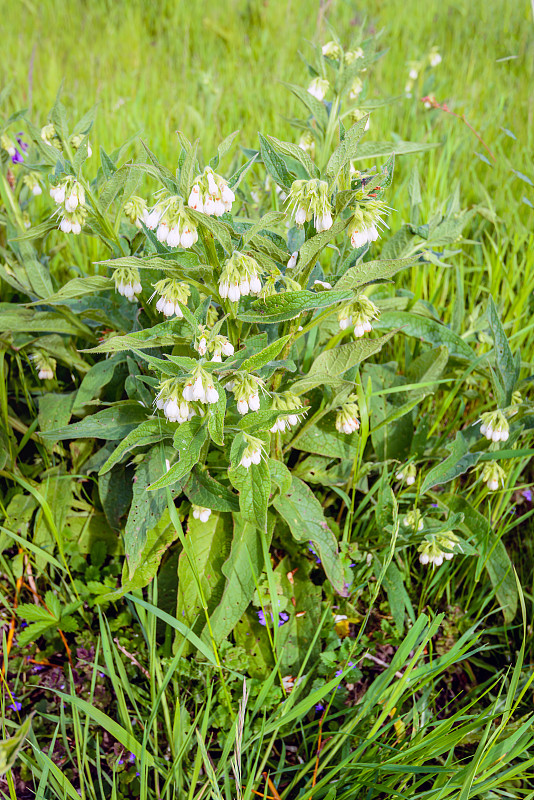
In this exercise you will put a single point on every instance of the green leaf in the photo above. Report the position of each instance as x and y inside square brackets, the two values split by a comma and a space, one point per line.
[78, 287]
[203, 490]
[316, 107]
[148, 432]
[288, 305]
[147, 507]
[24, 320]
[188, 440]
[188, 170]
[459, 461]
[55, 411]
[9, 748]
[208, 547]
[427, 330]
[239, 174]
[270, 218]
[253, 485]
[346, 150]
[369, 271]
[265, 356]
[219, 229]
[339, 359]
[324, 440]
[380, 149]
[275, 165]
[242, 570]
[110, 423]
[304, 514]
[158, 336]
[216, 412]
[258, 421]
[496, 559]
[506, 366]
[280, 475]
[296, 152]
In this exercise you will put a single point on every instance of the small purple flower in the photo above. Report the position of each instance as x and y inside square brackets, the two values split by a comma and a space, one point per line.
[15, 705]
[527, 494]
[131, 758]
[261, 617]
[120, 761]
[282, 618]
[340, 671]
[18, 158]
[319, 707]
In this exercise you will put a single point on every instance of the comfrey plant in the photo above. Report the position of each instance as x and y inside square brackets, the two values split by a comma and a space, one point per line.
[227, 324]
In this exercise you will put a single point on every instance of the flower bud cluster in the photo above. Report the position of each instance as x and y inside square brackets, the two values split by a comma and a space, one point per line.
[31, 180]
[495, 426]
[171, 401]
[414, 520]
[366, 222]
[240, 277]
[253, 451]
[136, 211]
[44, 364]
[309, 199]
[353, 55]
[286, 401]
[439, 549]
[360, 313]
[173, 225]
[408, 474]
[215, 348]
[7, 144]
[201, 513]
[51, 137]
[128, 282]
[211, 194]
[318, 88]
[200, 387]
[246, 389]
[347, 417]
[493, 476]
[69, 195]
[171, 291]
[332, 50]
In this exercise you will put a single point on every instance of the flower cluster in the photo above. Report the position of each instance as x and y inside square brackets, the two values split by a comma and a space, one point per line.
[439, 549]
[347, 417]
[332, 50]
[171, 401]
[366, 222]
[128, 282]
[309, 199]
[69, 195]
[318, 88]
[408, 474]
[414, 520]
[240, 277]
[495, 426]
[31, 180]
[171, 291]
[44, 364]
[356, 88]
[215, 347]
[252, 452]
[211, 194]
[136, 211]
[200, 387]
[286, 401]
[201, 513]
[173, 225]
[360, 313]
[246, 389]
[50, 136]
[493, 476]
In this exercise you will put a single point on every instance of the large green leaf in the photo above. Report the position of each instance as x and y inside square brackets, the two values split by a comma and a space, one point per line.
[339, 359]
[253, 485]
[110, 423]
[148, 432]
[165, 333]
[203, 490]
[427, 330]
[9, 748]
[380, 149]
[78, 287]
[281, 307]
[188, 440]
[507, 368]
[303, 513]
[369, 271]
[457, 463]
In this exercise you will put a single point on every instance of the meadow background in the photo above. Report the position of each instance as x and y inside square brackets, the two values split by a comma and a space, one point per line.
[209, 68]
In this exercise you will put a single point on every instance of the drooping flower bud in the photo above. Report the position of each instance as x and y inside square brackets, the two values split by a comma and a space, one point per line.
[252, 453]
[201, 513]
[493, 475]
[318, 88]
[494, 426]
[136, 211]
[31, 180]
[360, 314]
[246, 391]
[287, 401]
[347, 417]
[44, 364]
[332, 50]
[366, 222]
[172, 223]
[211, 194]
[414, 520]
[408, 474]
[171, 292]
[307, 200]
[240, 277]
[128, 282]
[438, 549]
